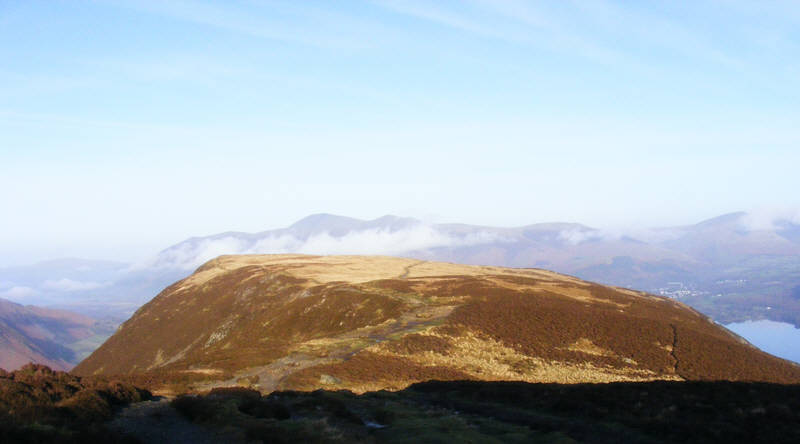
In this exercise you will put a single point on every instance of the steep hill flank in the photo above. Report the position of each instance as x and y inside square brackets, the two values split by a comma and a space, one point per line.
[56, 338]
[367, 323]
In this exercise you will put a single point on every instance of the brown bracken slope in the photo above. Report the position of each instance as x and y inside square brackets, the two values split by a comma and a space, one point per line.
[367, 323]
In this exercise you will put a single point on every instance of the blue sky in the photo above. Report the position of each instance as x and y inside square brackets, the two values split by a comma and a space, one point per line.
[126, 126]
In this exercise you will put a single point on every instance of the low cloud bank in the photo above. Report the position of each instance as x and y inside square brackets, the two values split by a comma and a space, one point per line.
[190, 255]
[43, 292]
[70, 285]
[765, 219]
[578, 236]
[769, 218]
[18, 294]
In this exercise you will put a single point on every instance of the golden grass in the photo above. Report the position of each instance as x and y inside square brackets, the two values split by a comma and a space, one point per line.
[486, 359]
[357, 269]
[361, 269]
[585, 345]
[580, 294]
[204, 371]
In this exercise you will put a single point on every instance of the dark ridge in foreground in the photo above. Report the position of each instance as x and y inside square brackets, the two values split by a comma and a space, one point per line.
[39, 405]
[475, 411]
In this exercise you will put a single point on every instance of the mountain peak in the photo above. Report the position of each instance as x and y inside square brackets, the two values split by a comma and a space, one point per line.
[719, 221]
[340, 225]
[323, 218]
[323, 222]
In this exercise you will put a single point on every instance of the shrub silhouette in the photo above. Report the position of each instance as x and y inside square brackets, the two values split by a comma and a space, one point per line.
[476, 411]
[38, 404]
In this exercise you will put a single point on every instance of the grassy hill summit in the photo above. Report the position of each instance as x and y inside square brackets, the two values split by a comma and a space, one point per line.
[364, 323]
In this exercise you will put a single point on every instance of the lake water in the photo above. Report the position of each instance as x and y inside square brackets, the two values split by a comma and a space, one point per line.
[777, 338]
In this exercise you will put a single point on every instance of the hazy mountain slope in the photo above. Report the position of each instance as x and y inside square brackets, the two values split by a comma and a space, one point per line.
[45, 336]
[729, 239]
[365, 323]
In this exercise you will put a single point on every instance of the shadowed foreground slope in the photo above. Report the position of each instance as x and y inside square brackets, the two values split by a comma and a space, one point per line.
[508, 412]
[39, 405]
[370, 323]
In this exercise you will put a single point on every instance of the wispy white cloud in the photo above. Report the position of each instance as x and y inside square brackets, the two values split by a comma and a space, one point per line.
[545, 28]
[71, 285]
[281, 21]
[189, 255]
[599, 30]
[624, 26]
[169, 67]
[192, 254]
[11, 117]
[18, 293]
[15, 84]
[769, 218]
[435, 13]
[385, 242]
[610, 234]
[577, 236]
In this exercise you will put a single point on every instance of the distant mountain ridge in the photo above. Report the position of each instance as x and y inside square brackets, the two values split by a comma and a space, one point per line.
[733, 267]
[441, 239]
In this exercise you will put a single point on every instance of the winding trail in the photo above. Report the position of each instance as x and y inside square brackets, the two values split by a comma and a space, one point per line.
[407, 270]
[674, 344]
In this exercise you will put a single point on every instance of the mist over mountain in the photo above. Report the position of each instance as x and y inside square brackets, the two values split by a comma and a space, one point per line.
[562, 244]
[47, 281]
[734, 267]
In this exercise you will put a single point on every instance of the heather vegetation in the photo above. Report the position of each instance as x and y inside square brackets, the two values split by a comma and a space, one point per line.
[660, 336]
[473, 411]
[38, 404]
